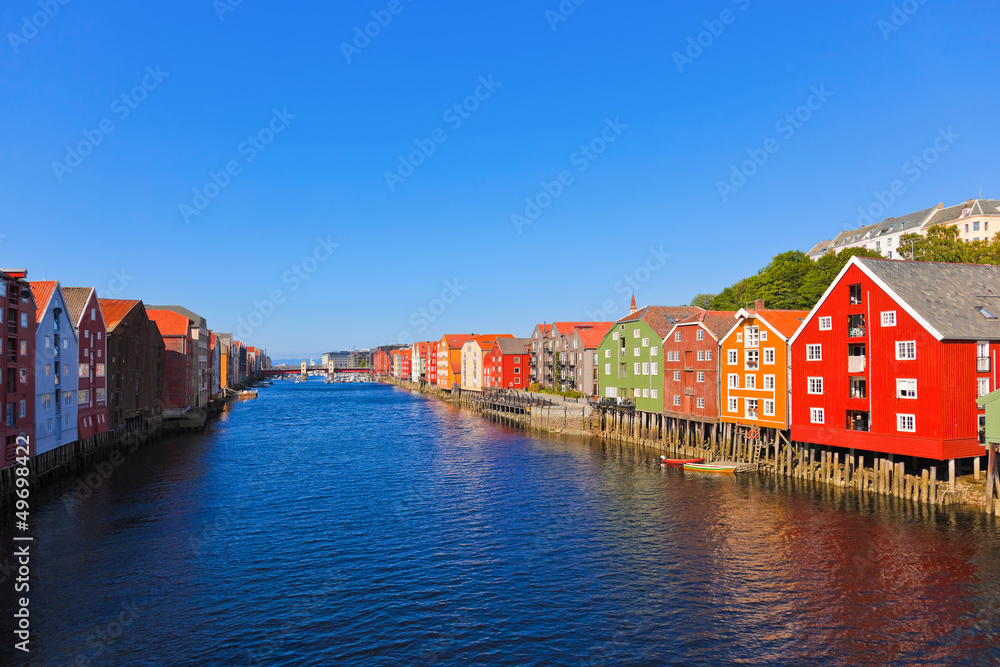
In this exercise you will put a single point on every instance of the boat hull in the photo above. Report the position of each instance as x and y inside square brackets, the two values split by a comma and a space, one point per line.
[678, 462]
[717, 468]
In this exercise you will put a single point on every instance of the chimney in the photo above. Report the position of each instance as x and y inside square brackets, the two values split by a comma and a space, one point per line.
[16, 273]
[758, 304]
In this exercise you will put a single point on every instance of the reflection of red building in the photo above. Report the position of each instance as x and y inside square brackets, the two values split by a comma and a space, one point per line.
[92, 406]
[506, 365]
[893, 356]
[18, 398]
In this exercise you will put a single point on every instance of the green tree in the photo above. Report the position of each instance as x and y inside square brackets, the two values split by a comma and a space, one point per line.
[703, 301]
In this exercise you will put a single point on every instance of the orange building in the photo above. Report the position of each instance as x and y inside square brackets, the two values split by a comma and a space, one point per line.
[755, 368]
[449, 359]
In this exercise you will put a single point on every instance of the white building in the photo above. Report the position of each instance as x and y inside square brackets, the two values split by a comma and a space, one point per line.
[57, 352]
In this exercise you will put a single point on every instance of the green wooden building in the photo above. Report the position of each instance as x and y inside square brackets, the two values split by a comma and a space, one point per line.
[991, 402]
[630, 357]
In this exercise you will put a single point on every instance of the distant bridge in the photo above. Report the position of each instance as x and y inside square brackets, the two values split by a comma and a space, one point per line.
[297, 370]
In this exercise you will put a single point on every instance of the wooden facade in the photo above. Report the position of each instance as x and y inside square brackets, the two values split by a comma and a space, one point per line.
[135, 353]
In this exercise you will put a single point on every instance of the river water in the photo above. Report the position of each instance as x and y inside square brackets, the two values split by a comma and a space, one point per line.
[327, 524]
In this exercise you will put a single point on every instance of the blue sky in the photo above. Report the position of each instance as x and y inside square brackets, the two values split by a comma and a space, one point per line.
[306, 230]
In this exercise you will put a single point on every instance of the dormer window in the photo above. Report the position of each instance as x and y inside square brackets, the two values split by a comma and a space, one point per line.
[986, 313]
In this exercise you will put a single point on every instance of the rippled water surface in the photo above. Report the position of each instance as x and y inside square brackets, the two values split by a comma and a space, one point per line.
[361, 524]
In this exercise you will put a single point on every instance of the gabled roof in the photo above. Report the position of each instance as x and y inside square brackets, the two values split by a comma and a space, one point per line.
[543, 327]
[115, 310]
[457, 340]
[661, 318]
[193, 316]
[943, 297]
[784, 323]
[566, 328]
[170, 323]
[591, 337]
[43, 291]
[76, 302]
[716, 322]
[512, 345]
[486, 341]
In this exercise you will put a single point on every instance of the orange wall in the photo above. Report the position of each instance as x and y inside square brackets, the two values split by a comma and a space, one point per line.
[780, 371]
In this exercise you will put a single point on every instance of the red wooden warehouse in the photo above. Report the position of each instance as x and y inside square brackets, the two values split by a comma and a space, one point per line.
[691, 366]
[506, 365]
[893, 357]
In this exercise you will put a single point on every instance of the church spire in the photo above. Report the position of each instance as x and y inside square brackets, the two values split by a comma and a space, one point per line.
[632, 307]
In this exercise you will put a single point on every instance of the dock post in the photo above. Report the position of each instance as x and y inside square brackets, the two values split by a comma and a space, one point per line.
[951, 475]
[934, 489]
[976, 466]
[991, 471]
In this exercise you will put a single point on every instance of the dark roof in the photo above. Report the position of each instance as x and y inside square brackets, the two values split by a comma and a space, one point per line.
[718, 322]
[945, 295]
[513, 345]
[661, 318]
[76, 301]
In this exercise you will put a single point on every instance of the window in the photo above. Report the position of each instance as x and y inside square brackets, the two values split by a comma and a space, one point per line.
[700, 335]
[652, 351]
[24, 320]
[732, 405]
[701, 403]
[752, 336]
[46, 401]
[854, 295]
[654, 368]
[816, 415]
[731, 358]
[888, 318]
[635, 351]
[614, 335]
[975, 226]
[763, 335]
[985, 313]
[23, 379]
[67, 397]
[607, 369]
[768, 408]
[734, 381]
[48, 370]
[645, 368]
[645, 342]
[677, 376]
[752, 359]
[23, 348]
[638, 368]
[636, 333]
[636, 393]
[86, 333]
[751, 381]
[701, 376]
[21, 408]
[769, 382]
[607, 353]
[815, 386]
[701, 355]
[677, 337]
[825, 323]
[907, 423]
[645, 393]
[906, 349]
[611, 392]
[653, 393]
[86, 352]
[708, 355]
[814, 352]
[48, 342]
[739, 338]
[906, 388]
[751, 408]
[769, 355]
[84, 370]
[982, 387]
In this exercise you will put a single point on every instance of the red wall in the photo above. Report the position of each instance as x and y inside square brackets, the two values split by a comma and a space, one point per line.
[176, 372]
[689, 366]
[93, 419]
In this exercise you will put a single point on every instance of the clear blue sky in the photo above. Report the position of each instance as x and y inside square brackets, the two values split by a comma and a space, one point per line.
[556, 84]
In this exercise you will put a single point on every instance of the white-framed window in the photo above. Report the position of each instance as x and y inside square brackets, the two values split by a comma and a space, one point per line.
[611, 392]
[677, 400]
[607, 353]
[636, 393]
[653, 393]
[635, 351]
[677, 376]
[653, 351]
[888, 318]
[48, 342]
[708, 355]
[701, 403]
[731, 356]
[733, 405]
[700, 335]
[815, 385]
[701, 355]
[645, 393]
[46, 401]
[67, 398]
[607, 369]
[751, 408]
[701, 376]
[906, 349]
[638, 368]
[752, 359]
[982, 387]
[654, 368]
[739, 337]
[814, 352]
[906, 388]
[645, 368]
[636, 333]
[677, 336]
[769, 382]
[906, 423]
[645, 342]
[750, 381]
[816, 415]
[825, 323]
[614, 335]
[769, 356]
[768, 407]
[734, 381]
[763, 334]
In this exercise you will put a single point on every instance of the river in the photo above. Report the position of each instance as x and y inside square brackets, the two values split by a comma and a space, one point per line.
[329, 524]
